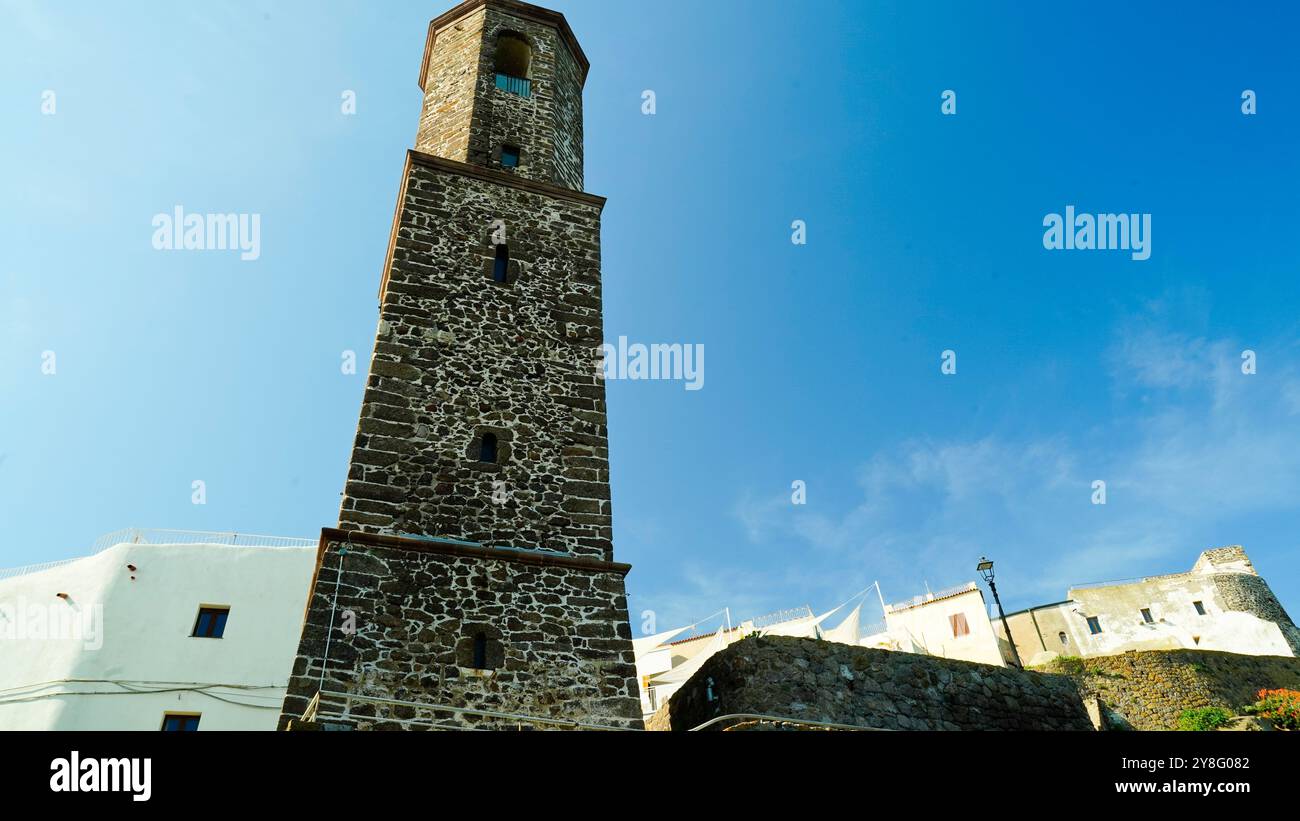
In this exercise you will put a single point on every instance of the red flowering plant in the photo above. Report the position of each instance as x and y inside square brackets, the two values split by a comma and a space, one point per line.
[1282, 707]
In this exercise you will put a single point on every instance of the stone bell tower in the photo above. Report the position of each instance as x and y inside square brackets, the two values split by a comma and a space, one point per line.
[473, 562]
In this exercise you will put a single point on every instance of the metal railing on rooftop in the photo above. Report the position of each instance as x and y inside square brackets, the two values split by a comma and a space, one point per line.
[14, 572]
[138, 535]
[1134, 580]
[779, 616]
[929, 597]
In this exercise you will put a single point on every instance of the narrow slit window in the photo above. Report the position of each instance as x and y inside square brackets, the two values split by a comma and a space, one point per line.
[501, 266]
[480, 652]
[1146, 616]
[487, 449]
[1062, 637]
[1200, 608]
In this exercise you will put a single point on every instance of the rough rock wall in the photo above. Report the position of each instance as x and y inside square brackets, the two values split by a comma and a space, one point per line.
[459, 355]
[450, 83]
[1151, 688]
[406, 616]
[466, 118]
[825, 681]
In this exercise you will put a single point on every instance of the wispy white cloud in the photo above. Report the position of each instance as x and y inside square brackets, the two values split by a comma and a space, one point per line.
[700, 591]
[1204, 441]
[30, 17]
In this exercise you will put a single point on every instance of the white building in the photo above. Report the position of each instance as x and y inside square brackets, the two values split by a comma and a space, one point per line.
[664, 665]
[158, 627]
[952, 624]
[1222, 603]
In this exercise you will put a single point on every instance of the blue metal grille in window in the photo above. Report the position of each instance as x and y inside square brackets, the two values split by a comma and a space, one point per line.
[515, 85]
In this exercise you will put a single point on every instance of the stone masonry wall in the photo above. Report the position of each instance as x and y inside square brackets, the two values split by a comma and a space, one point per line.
[558, 640]
[475, 576]
[467, 118]
[840, 683]
[458, 355]
[1151, 688]
[547, 124]
[449, 86]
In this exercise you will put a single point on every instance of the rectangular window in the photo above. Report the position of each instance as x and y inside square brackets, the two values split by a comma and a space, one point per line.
[1094, 625]
[211, 623]
[959, 626]
[1146, 616]
[180, 722]
[1200, 608]
[509, 156]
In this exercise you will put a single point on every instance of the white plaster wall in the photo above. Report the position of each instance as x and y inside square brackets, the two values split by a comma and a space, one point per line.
[926, 629]
[659, 660]
[1171, 600]
[138, 639]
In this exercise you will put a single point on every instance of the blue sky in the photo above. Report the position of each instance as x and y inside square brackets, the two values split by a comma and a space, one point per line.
[924, 234]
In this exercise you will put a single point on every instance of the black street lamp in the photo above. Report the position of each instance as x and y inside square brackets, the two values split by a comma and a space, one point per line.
[985, 568]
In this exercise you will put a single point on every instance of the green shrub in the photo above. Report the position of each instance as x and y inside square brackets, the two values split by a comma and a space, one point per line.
[1100, 673]
[1204, 718]
[1069, 665]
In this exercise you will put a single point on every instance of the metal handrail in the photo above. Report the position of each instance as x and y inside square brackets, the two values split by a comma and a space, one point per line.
[313, 713]
[830, 725]
[348, 698]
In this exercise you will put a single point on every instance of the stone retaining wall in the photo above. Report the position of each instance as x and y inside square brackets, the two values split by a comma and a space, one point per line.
[1151, 688]
[830, 682]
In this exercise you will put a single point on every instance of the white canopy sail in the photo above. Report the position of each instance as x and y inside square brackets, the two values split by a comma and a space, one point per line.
[847, 631]
[645, 644]
[686, 669]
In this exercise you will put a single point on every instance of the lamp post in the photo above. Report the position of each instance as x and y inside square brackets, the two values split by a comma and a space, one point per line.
[985, 568]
